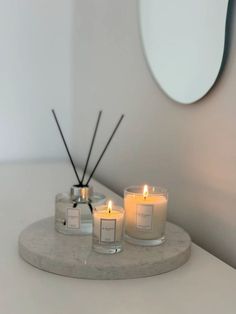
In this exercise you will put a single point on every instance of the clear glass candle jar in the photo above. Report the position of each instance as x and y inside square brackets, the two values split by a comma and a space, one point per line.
[145, 214]
[108, 229]
[73, 211]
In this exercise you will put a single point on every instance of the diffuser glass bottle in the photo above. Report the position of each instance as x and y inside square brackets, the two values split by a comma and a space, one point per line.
[73, 210]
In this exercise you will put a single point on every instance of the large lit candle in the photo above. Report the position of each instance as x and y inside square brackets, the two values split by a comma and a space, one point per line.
[108, 228]
[145, 211]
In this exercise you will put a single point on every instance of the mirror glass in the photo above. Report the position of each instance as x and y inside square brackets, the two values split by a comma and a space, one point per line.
[184, 44]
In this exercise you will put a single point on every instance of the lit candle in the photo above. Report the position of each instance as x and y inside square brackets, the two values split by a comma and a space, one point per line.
[145, 210]
[108, 227]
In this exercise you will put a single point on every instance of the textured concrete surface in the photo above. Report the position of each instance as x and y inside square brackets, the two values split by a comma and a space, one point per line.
[46, 249]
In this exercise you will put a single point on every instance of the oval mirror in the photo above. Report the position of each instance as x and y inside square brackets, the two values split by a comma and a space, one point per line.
[184, 44]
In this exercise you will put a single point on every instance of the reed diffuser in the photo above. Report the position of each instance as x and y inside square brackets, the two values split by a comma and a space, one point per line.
[73, 210]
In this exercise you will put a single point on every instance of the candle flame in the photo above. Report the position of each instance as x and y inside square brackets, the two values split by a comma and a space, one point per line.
[145, 191]
[109, 206]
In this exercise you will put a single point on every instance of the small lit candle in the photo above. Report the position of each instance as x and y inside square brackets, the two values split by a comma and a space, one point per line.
[108, 227]
[145, 210]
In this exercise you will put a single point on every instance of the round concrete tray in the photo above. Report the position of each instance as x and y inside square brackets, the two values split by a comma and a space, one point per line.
[72, 256]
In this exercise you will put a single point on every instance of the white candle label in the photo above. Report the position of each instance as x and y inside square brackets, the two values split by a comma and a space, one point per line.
[107, 230]
[73, 218]
[144, 215]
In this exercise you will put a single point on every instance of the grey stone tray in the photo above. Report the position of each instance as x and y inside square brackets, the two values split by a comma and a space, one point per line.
[43, 247]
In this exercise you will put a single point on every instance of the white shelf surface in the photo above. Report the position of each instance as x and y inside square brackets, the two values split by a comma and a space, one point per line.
[203, 285]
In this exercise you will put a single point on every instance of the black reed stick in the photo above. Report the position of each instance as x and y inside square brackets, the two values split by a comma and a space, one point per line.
[104, 150]
[67, 149]
[91, 146]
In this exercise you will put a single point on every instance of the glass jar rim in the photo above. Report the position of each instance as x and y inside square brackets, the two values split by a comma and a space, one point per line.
[104, 207]
[152, 189]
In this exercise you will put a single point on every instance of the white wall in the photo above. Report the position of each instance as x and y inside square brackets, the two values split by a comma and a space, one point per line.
[190, 149]
[36, 74]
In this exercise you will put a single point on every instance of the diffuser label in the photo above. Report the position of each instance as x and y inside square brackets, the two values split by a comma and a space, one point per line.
[107, 230]
[144, 215]
[73, 218]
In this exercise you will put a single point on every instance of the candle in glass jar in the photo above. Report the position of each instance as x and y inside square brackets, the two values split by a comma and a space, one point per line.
[145, 210]
[108, 227]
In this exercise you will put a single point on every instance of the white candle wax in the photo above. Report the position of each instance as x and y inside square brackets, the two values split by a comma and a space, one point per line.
[145, 215]
[108, 224]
